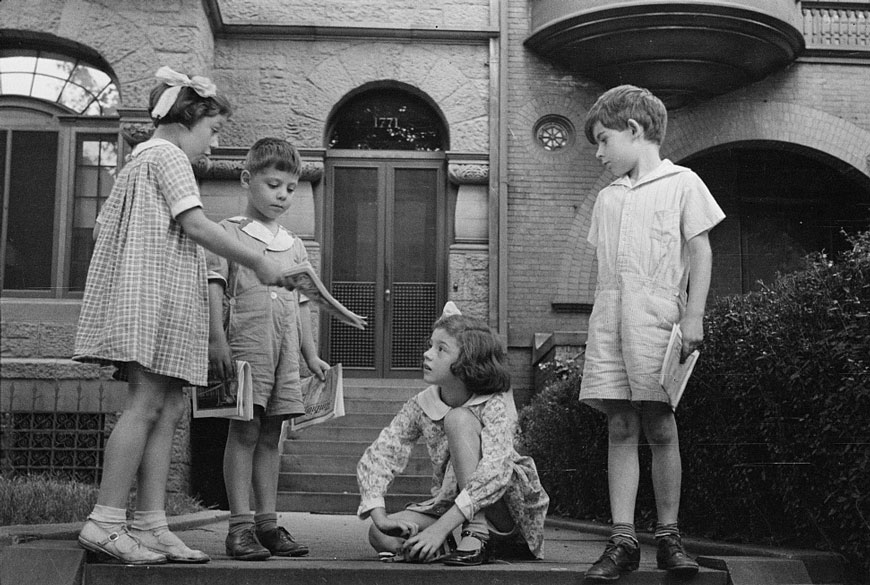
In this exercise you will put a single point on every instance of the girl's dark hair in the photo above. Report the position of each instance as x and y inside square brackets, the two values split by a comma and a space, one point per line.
[482, 355]
[189, 107]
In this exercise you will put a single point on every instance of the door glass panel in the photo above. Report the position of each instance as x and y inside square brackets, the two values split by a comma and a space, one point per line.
[30, 222]
[354, 263]
[414, 271]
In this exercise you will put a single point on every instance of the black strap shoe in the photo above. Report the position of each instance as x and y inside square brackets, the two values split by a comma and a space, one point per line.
[672, 557]
[469, 558]
[616, 560]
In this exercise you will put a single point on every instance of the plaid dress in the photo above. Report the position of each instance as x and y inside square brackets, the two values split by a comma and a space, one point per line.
[146, 296]
[641, 234]
[501, 472]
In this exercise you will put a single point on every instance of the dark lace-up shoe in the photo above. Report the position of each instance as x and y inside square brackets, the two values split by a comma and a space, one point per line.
[244, 546]
[281, 544]
[672, 557]
[616, 560]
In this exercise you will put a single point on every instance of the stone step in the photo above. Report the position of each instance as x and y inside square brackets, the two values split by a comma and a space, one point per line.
[336, 433]
[337, 448]
[294, 463]
[359, 419]
[371, 406]
[346, 482]
[381, 389]
[337, 502]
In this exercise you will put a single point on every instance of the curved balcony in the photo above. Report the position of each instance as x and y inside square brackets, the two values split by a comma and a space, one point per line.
[682, 51]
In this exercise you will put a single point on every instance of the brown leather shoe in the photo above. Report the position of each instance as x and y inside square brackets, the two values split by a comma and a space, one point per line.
[244, 546]
[672, 557]
[281, 544]
[616, 560]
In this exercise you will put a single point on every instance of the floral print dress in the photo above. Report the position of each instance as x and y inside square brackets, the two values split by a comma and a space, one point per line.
[501, 473]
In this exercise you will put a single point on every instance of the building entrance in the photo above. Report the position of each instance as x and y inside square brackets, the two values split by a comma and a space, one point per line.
[385, 252]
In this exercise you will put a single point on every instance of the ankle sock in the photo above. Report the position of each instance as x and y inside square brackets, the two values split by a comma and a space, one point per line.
[241, 522]
[150, 520]
[623, 532]
[266, 522]
[108, 518]
[667, 530]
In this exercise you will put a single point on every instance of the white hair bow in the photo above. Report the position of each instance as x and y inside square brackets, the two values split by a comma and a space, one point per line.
[201, 85]
[450, 309]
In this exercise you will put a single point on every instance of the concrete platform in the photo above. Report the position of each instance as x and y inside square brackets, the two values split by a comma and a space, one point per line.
[340, 555]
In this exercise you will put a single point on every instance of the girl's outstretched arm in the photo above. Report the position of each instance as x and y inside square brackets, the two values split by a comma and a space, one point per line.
[211, 236]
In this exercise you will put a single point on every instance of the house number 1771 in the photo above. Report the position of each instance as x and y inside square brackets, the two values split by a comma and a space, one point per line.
[385, 122]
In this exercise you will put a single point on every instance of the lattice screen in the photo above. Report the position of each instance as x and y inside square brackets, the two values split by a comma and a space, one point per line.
[64, 445]
[351, 347]
[414, 311]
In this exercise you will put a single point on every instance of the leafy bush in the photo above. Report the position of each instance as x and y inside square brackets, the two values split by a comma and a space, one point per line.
[774, 426]
[44, 500]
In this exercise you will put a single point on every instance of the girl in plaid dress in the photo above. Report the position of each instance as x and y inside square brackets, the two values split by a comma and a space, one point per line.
[145, 311]
[467, 418]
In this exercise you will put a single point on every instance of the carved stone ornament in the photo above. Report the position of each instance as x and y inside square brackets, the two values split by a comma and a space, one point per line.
[468, 174]
[230, 169]
[136, 132]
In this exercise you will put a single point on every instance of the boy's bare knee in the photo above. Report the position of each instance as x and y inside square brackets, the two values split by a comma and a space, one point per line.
[623, 427]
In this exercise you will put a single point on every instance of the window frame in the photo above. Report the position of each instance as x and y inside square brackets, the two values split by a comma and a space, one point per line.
[39, 115]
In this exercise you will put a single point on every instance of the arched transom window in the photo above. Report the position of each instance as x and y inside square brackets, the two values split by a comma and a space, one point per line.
[71, 83]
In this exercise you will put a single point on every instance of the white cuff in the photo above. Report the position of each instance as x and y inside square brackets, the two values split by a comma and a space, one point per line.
[369, 504]
[184, 204]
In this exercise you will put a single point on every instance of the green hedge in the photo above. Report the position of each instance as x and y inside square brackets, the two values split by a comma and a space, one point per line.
[774, 426]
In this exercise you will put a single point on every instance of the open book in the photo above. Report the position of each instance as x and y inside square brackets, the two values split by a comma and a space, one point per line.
[675, 375]
[303, 278]
[232, 398]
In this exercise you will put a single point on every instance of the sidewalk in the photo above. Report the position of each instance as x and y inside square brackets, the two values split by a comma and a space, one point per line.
[340, 554]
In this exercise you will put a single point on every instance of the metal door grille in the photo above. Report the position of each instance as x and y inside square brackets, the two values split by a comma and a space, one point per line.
[414, 310]
[63, 445]
[348, 346]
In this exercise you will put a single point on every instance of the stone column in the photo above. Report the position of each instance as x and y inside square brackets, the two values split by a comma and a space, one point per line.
[468, 271]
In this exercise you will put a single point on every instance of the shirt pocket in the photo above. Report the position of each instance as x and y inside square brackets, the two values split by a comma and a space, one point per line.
[666, 226]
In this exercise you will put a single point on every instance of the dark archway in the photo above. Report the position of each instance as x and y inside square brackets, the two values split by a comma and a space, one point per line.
[783, 202]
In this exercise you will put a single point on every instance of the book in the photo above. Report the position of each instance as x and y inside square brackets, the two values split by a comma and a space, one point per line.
[323, 399]
[230, 398]
[675, 375]
[303, 278]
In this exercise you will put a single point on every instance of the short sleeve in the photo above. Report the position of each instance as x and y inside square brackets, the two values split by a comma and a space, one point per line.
[592, 236]
[700, 212]
[177, 182]
[218, 266]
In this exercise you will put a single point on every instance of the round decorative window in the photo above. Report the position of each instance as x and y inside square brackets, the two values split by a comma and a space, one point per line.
[554, 133]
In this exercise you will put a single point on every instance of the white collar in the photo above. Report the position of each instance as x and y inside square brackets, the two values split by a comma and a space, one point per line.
[665, 168]
[151, 143]
[435, 408]
[278, 242]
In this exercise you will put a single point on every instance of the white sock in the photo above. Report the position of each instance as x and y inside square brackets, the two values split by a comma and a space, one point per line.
[108, 518]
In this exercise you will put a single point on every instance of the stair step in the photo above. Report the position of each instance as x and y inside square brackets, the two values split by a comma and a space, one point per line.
[346, 482]
[370, 406]
[336, 433]
[340, 448]
[338, 502]
[294, 463]
[361, 419]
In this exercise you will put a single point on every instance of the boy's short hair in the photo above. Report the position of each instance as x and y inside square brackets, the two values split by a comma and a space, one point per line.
[482, 355]
[615, 107]
[273, 152]
[189, 107]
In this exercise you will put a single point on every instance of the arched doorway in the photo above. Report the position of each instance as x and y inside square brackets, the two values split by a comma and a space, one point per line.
[782, 202]
[384, 226]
